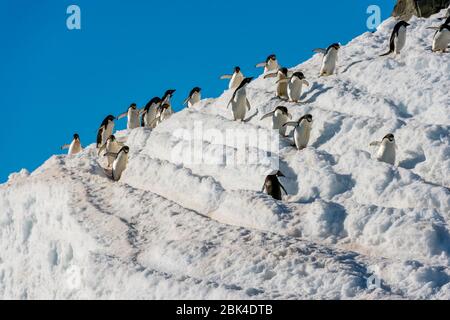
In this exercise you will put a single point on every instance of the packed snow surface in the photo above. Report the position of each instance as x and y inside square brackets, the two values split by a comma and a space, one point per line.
[173, 228]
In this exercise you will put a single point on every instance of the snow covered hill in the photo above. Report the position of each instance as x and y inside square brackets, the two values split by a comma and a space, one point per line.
[174, 228]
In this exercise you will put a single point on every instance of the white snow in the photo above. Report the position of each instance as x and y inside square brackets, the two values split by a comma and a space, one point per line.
[173, 228]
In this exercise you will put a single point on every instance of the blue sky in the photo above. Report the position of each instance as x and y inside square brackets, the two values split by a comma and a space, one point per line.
[55, 82]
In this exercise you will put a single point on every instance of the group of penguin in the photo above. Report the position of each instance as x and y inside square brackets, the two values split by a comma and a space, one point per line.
[289, 87]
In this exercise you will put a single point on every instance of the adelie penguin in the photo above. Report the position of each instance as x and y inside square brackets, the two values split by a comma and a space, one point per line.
[133, 116]
[111, 146]
[272, 185]
[239, 102]
[194, 97]
[441, 39]
[386, 150]
[295, 85]
[281, 75]
[279, 117]
[330, 58]
[120, 162]
[398, 38]
[166, 99]
[150, 112]
[235, 78]
[162, 114]
[75, 146]
[302, 131]
[105, 130]
[271, 64]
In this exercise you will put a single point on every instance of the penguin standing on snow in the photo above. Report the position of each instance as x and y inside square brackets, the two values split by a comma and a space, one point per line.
[271, 64]
[166, 99]
[239, 102]
[105, 130]
[163, 113]
[398, 38]
[441, 39]
[149, 113]
[279, 117]
[295, 86]
[329, 62]
[302, 131]
[272, 185]
[194, 97]
[386, 150]
[120, 162]
[75, 147]
[282, 76]
[111, 146]
[133, 116]
[235, 78]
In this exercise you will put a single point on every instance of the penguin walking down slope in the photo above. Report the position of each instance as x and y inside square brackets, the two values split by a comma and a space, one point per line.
[194, 97]
[120, 162]
[330, 58]
[111, 146]
[150, 111]
[279, 117]
[133, 116]
[282, 76]
[105, 130]
[271, 64]
[166, 99]
[235, 78]
[302, 131]
[75, 147]
[295, 85]
[386, 150]
[239, 102]
[441, 39]
[398, 38]
[272, 185]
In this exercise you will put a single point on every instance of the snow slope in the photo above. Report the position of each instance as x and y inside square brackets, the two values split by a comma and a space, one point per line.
[173, 228]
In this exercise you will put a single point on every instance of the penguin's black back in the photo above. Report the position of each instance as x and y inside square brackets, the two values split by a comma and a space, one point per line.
[273, 188]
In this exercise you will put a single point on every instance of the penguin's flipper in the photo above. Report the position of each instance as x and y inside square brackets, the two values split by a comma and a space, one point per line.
[375, 144]
[186, 101]
[284, 80]
[248, 104]
[433, 28]
[292, 124]
[99, 136]
[267, 115]
[226, 76]
[283, 189]
[101, 149]
[320, 50]
[271, 75]
[260, 65]
[122, 115]
[306, 83]
[66, 146]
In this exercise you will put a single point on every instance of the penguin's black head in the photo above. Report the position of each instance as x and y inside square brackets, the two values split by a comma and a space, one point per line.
[133, 105]
[112, 137]
[76, 136]
[196, 89]
[125, 149]
[237, 69]
[280, 174]
[404, 24]
[307, 117]
[444, 26]
[299, 75]
[284, 71]
[110, 118]
[282, 109]
[165, 106]
[247, 80]
[390, 137]
[336, 46]
[169, 93]
[271, 57]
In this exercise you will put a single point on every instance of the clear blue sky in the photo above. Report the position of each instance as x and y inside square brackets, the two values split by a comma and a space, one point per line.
[55, 82]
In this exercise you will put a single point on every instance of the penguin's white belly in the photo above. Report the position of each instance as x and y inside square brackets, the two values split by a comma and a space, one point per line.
[150, 116]
[441, 40]
[386, 153]
[235, 81]
[133, 119]
[164, 115]
[278, 120]
[329, 62]
[301, 136]
[239, 106]
[271, 66]
[295, 90]
[193, 100]
[400, 40]
[112, 147]
[75, 147]
[119, 165]
[282, 88]
[107, 132]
